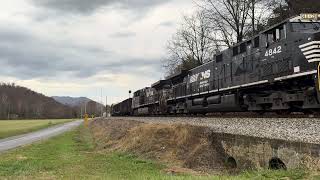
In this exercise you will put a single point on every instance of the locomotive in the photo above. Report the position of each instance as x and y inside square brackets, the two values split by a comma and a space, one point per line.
[277, 70]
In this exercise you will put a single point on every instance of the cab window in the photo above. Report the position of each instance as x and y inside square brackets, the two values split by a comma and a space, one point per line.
[276, 34]
[305, 26]
[219, 58]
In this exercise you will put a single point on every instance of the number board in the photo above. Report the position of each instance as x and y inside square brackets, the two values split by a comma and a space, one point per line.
[310, 16]
[273, 51]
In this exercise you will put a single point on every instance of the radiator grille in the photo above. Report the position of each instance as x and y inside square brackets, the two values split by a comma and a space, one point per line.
[283, 66]
[267, 70]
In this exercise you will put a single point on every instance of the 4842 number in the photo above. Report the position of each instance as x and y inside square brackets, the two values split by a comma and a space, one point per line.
[274, 51]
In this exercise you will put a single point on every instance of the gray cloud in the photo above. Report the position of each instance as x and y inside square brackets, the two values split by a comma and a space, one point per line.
[123, 35]
[167, 24]
[25, 56]
[90, 6]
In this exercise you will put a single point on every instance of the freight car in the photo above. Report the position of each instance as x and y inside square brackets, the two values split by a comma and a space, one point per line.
[276, 70]
[122, 109]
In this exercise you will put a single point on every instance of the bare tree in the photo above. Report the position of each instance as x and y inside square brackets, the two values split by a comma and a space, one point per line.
[234, 20]
[230, 17]
[191, 44]
[259, 13]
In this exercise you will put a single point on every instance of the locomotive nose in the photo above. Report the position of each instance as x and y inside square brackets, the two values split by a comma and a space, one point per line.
[317, 36]
[311, 49]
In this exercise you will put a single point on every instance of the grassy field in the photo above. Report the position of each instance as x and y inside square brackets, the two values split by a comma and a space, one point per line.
[74, 157]
[17, 127]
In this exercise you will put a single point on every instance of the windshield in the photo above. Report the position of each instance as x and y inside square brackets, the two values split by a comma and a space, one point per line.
[306, 26]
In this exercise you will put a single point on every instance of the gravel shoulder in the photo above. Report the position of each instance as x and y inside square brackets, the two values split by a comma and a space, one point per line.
[305, 130]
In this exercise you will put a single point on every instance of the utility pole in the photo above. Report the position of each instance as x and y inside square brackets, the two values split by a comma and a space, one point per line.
[101, 108]
[85, 108]
[81, 112]
[106, 106]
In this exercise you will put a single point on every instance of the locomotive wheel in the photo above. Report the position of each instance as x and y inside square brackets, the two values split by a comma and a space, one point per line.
[283, 112]
[260, 113]
[310, 112]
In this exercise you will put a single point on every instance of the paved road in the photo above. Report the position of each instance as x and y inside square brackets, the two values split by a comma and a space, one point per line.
[17, 141]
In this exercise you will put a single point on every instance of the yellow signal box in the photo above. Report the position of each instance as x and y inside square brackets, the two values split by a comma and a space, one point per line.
[86, 120]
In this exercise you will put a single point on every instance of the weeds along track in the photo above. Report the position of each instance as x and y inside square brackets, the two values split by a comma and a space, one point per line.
[306, 130]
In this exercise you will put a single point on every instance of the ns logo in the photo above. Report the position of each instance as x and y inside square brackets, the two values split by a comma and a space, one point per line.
[200, 76]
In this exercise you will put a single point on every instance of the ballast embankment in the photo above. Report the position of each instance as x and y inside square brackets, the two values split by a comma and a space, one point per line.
[201, 149]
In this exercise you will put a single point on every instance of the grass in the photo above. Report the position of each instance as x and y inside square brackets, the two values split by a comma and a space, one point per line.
[74, 157]
[16, 127]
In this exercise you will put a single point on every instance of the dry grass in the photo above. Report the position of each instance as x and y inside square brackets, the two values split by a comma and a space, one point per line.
[179, 145]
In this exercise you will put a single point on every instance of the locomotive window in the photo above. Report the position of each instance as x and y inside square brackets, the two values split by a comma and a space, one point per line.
[235, 50]
[219, 58]
[275, 35]
[256, 42]
[280, 33]
[243, 48]
[271, 36]
[305, 27]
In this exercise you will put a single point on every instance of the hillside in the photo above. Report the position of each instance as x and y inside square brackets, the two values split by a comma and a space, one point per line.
[80, 104]
[71, 101]
[23, 103]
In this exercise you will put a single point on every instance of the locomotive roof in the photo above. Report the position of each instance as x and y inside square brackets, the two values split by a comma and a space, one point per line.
[159, 83]
[177, 75]
[300, 18]
[202, 65]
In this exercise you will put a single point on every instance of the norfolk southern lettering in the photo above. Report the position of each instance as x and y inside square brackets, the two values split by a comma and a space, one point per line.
[274, 71]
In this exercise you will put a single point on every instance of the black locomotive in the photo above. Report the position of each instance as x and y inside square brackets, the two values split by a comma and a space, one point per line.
[277, 70]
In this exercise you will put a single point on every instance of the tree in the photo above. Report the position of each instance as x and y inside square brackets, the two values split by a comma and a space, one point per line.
[191, 45]
[20, 102]
[232, 21]
[229, 17]
[297, 7]
[283, 9]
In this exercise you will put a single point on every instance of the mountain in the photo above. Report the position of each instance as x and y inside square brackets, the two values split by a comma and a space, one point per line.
[18, 102]
[71, 101]
[81, 104]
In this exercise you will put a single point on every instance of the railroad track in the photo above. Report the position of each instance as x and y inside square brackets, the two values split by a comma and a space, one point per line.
[295, 129]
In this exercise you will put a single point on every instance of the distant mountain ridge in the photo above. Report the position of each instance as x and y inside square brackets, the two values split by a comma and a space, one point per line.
[81, 104]
[71, 101]
[17, 102]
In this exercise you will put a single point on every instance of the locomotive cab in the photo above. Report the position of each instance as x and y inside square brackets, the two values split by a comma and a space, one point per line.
[292, 56]
[306, 30]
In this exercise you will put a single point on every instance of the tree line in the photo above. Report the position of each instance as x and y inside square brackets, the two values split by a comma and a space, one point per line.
[18, 102]
[219, 24]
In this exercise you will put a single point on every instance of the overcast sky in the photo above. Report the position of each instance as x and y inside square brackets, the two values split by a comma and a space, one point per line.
[78, 47]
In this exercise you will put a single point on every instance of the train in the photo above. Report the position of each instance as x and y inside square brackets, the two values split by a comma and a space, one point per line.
[277, 70]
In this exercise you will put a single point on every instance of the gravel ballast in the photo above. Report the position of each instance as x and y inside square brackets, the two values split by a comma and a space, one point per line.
[305, 130]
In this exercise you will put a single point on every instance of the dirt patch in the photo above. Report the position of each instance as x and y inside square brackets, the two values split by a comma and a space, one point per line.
[181, 146]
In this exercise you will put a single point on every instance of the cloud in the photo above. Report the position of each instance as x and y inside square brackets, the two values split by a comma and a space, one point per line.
[123, 35]
[90, 6]
[73, 47]
[26, 56]
[167, 24]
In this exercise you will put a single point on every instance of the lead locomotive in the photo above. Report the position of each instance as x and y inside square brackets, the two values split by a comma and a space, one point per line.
[277, 70]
